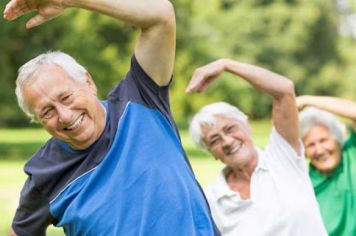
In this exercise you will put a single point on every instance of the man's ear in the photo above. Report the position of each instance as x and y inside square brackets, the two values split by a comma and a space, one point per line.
[90, 82]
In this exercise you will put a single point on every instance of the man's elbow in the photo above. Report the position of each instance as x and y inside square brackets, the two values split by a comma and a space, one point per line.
[166, 14]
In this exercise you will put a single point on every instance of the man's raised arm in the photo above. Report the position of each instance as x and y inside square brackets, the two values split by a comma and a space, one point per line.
[155, 49]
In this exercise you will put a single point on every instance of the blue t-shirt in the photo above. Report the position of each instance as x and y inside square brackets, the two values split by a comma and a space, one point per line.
[134, 180]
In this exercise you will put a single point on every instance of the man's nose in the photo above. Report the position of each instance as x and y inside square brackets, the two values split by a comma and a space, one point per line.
[64, 114]
[227, 141]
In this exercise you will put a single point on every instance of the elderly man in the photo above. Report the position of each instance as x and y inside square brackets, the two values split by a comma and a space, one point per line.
[259, 192]
[105, 170]
[332, 159]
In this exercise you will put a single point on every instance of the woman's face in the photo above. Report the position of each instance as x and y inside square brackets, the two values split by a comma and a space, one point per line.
[229, 141]
[322, 149]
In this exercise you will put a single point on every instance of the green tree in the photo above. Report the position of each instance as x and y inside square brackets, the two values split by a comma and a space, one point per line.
[104, 47]
[295, 38]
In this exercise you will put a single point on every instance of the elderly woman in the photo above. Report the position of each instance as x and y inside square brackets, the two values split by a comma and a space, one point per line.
[332, 159]
[259, 192]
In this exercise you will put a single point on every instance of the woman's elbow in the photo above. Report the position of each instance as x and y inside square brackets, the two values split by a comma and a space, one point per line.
[286, 89]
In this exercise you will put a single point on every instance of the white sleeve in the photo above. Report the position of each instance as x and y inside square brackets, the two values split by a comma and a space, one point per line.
[281, 153]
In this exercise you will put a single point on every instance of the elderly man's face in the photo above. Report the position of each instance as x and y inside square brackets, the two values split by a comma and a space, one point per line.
[322, 149]
[67, 109]
[229, 141]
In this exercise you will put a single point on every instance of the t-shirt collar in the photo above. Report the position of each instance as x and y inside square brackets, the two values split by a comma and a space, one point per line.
[223, 188]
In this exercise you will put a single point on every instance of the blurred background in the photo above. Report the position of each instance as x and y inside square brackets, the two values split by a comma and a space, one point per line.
[312, 42]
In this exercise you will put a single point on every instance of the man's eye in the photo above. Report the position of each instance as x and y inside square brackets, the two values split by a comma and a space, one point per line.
[214, 142]
[65, 98]
[47, 114]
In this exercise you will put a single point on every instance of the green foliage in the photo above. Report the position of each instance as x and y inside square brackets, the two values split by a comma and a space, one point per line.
[296, 38]
[97, 42]
[20, 144]
[346, 75]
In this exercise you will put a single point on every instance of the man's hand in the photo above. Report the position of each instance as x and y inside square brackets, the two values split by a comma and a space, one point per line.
[46, 9]
[155, 47]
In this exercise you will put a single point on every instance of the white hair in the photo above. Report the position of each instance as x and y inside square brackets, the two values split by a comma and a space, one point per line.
[27, 72]
[311, 116]
[207, 116]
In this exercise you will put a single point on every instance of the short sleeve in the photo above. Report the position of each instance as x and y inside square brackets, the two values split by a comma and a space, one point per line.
[281, 152]
[138, 87]
[32, 215]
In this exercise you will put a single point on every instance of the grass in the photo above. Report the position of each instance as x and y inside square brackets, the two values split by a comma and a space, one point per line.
[16, 145]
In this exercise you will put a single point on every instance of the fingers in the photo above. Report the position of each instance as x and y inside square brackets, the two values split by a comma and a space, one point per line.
[204, 76]
[199, 84]
[46, 11]
[35, 21]
[17, 8]
[201, 78]
[195, 82]
[191, 86]
[300, 102]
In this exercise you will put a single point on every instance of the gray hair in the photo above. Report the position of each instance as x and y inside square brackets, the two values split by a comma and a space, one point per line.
[311, 116]
[207, 115]
[27, 72]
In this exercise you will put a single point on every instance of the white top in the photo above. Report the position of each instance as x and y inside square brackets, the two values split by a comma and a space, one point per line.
[282, 200]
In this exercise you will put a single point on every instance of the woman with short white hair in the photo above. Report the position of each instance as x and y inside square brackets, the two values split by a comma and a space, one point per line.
[332, 159]
[259, 192]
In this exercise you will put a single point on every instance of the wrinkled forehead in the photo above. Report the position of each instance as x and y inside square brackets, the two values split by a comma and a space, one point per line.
[52, 71]
[52, 75]
[317, 131]
[218, 123]
[223, 120]
[48, 82]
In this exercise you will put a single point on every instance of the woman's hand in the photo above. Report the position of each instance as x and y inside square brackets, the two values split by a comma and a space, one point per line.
[203, 76]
